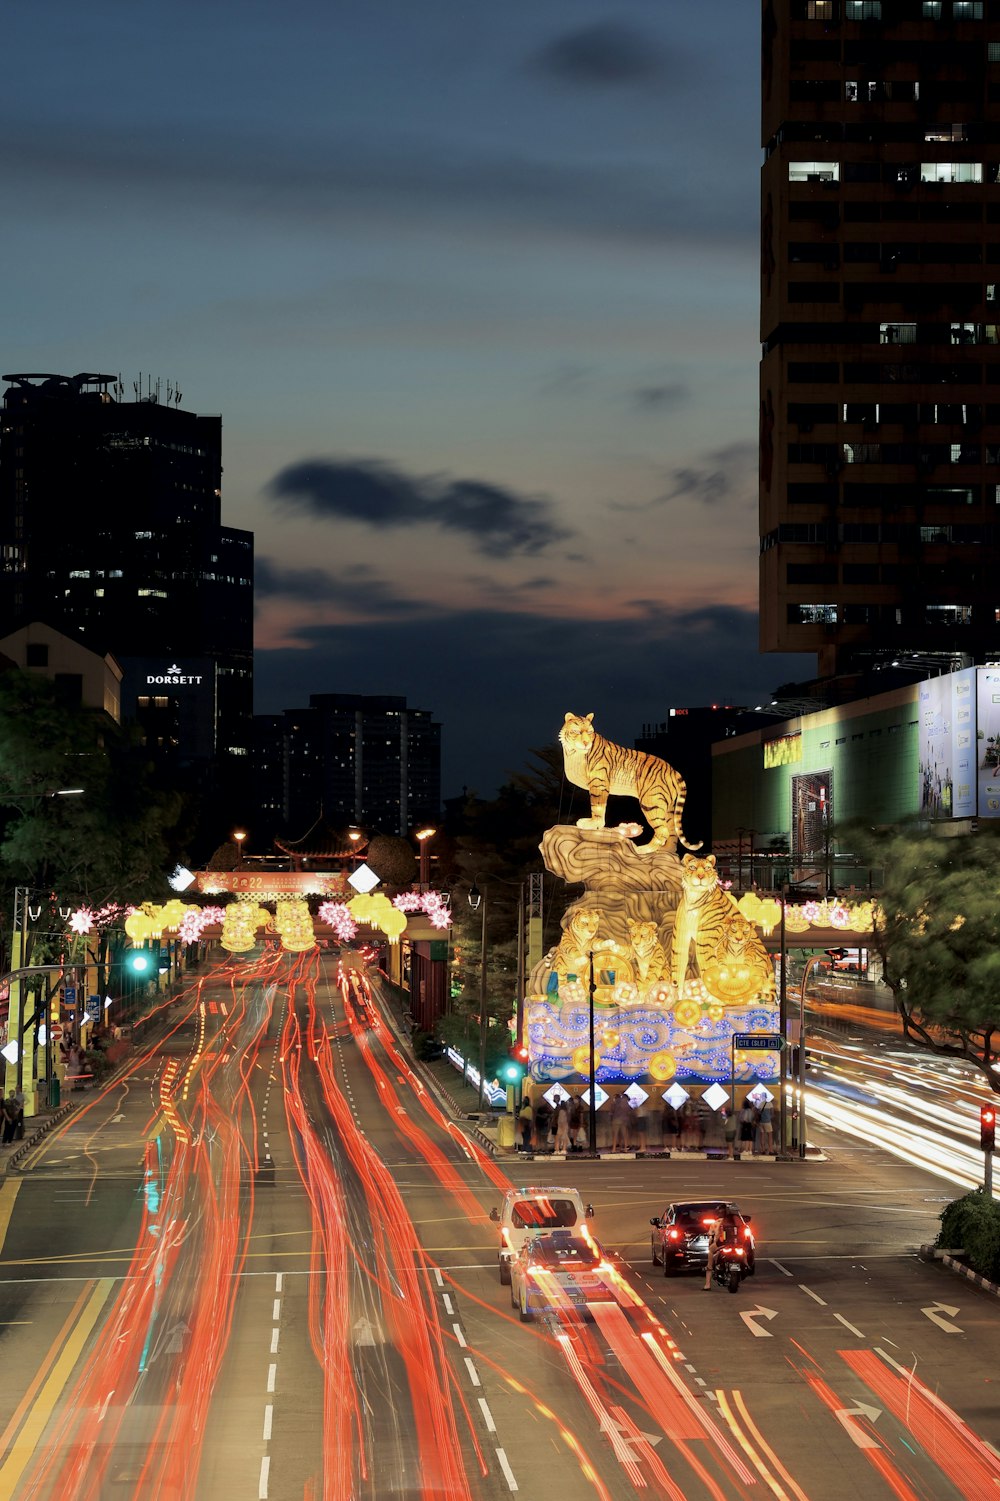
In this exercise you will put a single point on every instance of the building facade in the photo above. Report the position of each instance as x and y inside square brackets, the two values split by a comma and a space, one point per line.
[362, 759]
[880, 328]
[111, 529]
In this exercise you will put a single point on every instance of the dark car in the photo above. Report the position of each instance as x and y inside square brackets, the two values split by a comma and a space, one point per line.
[680, 1234]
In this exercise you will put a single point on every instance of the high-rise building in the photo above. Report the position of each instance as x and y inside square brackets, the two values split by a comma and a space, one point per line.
[111, 530]
[880, 322]
[363, 759]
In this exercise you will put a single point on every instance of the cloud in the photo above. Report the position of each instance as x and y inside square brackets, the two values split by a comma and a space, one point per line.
[725, 473]
[500, 682]
[660, 398]
[604, 55]
[362, 589]
[499, 522]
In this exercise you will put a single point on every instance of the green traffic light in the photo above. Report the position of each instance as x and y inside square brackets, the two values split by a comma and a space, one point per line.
[512, 1073]
[138, 962]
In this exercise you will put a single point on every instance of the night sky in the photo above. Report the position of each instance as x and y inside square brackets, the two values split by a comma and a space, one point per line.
[474, 287]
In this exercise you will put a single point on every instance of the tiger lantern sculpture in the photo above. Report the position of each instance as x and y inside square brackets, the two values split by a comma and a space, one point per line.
[602, 768]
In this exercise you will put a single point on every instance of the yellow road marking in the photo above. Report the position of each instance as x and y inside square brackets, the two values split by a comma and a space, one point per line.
[41, 1410]
[8, 1195]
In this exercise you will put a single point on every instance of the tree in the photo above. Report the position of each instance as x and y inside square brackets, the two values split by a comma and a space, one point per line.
[938, 934]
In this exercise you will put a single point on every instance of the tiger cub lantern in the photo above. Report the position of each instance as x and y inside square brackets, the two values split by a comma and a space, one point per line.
[602, 768]
[727, 951]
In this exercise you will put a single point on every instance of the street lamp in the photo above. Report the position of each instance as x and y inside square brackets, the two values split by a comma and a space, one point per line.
[238, 837]
[477, 901]
[422, 836]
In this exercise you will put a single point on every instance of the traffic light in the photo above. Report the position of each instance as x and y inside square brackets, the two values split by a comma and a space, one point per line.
[987, 1127]
[139, 962]
[513, 1070]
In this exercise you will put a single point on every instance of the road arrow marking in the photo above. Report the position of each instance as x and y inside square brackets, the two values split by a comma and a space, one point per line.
[934, 1314]
[365, 1332]
[117, 1118]
[858, 1435]
[754, 1314]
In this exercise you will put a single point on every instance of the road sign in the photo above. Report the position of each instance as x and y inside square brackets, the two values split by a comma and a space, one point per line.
[94, 1007]
[758, 1042]
[56, 1031]
[69, 995]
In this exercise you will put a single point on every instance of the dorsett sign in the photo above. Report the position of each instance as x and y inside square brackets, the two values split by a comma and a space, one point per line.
[173, 675]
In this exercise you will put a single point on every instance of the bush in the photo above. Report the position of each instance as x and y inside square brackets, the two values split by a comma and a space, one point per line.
[974, 1224]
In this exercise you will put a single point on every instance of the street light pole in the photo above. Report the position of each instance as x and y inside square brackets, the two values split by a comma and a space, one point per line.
[813, 960]
[592, 1120]
[482, 1002]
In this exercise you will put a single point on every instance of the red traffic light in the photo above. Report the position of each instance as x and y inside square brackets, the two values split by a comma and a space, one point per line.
[987, 1127]
[520, 1053]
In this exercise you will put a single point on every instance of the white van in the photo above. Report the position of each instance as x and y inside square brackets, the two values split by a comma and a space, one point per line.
[530, 1211]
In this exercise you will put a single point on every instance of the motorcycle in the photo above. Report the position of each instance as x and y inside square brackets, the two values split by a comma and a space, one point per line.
[730, 1266]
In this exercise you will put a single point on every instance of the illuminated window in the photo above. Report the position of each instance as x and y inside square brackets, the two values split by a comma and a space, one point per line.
[863, 10]
[967, 10]
[948, 614]
[813, 171]
[819, 10]
[953, 132]
[993, 52]
[951, 171]
[812, 614]
[933, 10]
[897, 333]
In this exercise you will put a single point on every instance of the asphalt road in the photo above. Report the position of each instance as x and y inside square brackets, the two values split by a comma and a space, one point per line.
[261, 1265]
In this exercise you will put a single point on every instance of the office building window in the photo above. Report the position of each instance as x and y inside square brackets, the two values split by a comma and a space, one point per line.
[967, 10]
[812, 614]
[993, 52]
[933, 10]
[897, 333]
[947, 615]
[819, 10]
[863, 10]
[813, 171]
[951, 171]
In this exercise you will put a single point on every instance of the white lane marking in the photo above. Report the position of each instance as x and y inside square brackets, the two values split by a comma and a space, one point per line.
[487, 1415]
[781, 1268]
[274, 1341]
[265, 1470]
[440, 1279]
[277, 1281]
[448, 1305]
[459, 1335]
[840, 1319]
[268, 1419]
[810, 1294]
[272, 1372]
[508, 1472]
[276, 1310]
[934, 1313]
[859, 1436]
[470, 1366]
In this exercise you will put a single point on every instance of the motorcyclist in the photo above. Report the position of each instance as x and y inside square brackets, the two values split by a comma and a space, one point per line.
[724, 1232]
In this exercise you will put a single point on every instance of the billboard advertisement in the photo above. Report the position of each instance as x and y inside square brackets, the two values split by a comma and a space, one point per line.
[947, 754]
[988, 742]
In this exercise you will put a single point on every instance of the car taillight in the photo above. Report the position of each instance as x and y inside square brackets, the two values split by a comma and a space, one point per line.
[746, 1232]
[674, 1235]
[739, 1250]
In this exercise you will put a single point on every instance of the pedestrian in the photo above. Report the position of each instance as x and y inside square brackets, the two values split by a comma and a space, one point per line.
[576, 1131]
[764, 1139]
[524, 1119]
[731, 1127]
[748, 1124]
[668, 1126]
[19, 1117]
[9, 1118]
[690, 1125]
[724, 1232]
[543, 1119]
[560, 1121]
[621, 1113]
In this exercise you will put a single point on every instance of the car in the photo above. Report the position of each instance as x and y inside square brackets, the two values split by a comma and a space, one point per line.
[535, 1210]
[559, 1271]
[679, 1240]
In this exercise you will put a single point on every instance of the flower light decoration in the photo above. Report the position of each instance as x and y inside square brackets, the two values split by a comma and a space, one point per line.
[82, 921]
[337, 916]
[430, 902]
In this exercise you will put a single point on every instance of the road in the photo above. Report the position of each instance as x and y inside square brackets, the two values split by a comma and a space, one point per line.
[260, 1264]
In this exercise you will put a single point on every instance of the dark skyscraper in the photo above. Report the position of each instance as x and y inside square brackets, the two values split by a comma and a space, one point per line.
[880, 321]
[110, 527]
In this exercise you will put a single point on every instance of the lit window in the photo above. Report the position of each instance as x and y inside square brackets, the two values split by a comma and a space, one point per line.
[948, 614]
[951, 171]
[993, 52]
[812, 614]
[967, 10]
[932, 10]
[935, 534]
[813, 171]
[819, 10]
[897, 333]
[863, 10]
[79, 573]
[953, 132]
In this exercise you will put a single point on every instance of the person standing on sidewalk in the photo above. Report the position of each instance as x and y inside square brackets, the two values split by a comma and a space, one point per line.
[525, 1116]
[561, 1123]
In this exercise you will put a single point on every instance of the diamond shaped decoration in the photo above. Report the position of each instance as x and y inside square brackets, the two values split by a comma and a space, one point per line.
[636, 1096]
[363, 879]
[676, 1096]
[715, 1096]
[555, 1094]
[760, 1095]
[599, 1096]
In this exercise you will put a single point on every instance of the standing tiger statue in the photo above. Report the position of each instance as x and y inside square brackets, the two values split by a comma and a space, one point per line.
[601, 768]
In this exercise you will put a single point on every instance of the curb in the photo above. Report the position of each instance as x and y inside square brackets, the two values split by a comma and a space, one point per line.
[30, 1141]
[948, 1259]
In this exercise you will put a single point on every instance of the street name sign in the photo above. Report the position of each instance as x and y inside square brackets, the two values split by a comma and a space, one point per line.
[758, 1042]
